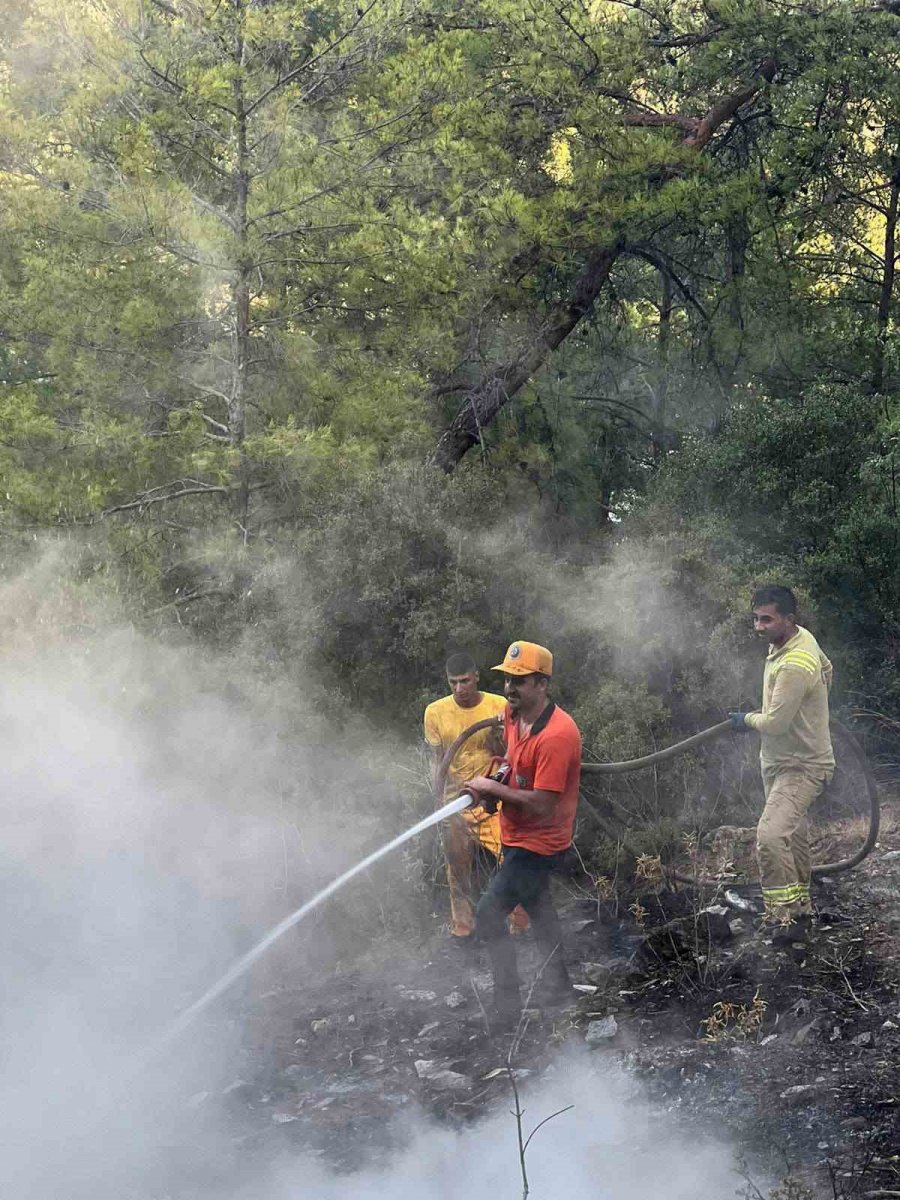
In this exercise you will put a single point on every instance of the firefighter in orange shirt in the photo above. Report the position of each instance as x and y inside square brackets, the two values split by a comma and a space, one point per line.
[539, 802]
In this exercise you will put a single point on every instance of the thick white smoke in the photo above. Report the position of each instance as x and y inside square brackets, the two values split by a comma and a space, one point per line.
[158, 816]
[143, 848]
[610, 1145]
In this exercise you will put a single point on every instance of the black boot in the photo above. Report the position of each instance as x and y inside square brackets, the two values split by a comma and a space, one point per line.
[796, 931]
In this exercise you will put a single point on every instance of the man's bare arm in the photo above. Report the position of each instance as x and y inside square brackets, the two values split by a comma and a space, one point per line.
[437, 757]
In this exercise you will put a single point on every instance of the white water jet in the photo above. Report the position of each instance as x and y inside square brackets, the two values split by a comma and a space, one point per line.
[244, 963]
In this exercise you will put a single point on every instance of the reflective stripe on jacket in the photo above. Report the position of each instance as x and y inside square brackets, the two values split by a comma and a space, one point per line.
[794, 718]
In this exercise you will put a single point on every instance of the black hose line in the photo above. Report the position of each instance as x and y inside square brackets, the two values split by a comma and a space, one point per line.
[651, 760]
[440, 778]
[845, 739]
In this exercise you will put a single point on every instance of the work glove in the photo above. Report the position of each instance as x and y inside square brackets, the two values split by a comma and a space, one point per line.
[738, 724]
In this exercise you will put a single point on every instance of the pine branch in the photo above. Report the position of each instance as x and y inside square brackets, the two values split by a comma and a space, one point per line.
[484, 401]
[308, 63]
[151, 497]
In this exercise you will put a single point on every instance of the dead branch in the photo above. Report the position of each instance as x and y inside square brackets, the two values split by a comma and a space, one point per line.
[729, 105]
[205, 489]
[651, 119]
[559, 1112]
[484, 401]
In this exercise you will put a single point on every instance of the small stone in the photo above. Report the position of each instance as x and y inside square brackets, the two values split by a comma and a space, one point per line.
[321, 1025]
[891, 856]
[862, 1039]
[771, 1037]
[601, 1031]
[440, 1078]
[420, 994]
[596, 973]
[282, 1118]
[449, 1081]
[432, 1025]
[505, 1072]
[496, 1073]
[455, 1000]
[733, 900]
[889, 1025]
[800, 1093]
[799, 1036]
[835, 1035]
[587, 988]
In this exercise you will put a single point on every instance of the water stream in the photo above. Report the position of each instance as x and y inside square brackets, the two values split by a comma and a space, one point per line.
[243, 964]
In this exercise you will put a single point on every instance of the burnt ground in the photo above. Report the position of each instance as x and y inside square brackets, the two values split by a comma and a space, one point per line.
[793, 1053]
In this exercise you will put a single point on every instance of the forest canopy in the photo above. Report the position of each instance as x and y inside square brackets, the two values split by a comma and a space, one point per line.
[428, 325]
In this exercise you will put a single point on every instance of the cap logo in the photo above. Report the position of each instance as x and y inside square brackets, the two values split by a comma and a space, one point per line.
[514, 652]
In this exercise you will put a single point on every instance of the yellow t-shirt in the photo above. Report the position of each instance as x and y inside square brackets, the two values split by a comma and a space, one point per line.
[444, 722]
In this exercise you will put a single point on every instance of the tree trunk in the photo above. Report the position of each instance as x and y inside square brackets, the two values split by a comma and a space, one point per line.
[240, 285]
[485, 400]
[661, 391]
[887, 282]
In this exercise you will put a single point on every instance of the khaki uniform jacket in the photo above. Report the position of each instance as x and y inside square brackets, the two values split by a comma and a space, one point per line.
[794, 718]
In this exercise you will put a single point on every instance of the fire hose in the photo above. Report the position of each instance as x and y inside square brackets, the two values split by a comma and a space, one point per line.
[844, 739]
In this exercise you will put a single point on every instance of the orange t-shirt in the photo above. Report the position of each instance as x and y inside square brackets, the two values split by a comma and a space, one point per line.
[546, 759]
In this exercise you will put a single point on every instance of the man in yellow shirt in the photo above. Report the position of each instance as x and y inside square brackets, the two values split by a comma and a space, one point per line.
[474, 829]
[796, 754]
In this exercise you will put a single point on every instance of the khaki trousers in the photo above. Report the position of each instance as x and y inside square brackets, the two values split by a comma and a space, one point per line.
[782, 839]
[461, 843]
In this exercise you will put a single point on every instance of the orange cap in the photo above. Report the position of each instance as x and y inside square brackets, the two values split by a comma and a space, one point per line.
[525, 658]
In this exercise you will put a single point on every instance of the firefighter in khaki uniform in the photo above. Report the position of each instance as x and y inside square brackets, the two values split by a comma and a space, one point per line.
[796, 755]
[474, 829]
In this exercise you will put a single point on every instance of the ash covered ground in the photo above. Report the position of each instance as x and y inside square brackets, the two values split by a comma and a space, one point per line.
[789, 1057]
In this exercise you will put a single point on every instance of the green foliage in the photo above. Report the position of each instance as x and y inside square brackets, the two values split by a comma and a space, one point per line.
[806, 491]
[253, 258]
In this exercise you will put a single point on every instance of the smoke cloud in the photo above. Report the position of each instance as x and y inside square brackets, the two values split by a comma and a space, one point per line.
[163, 810]
[610, 1145]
